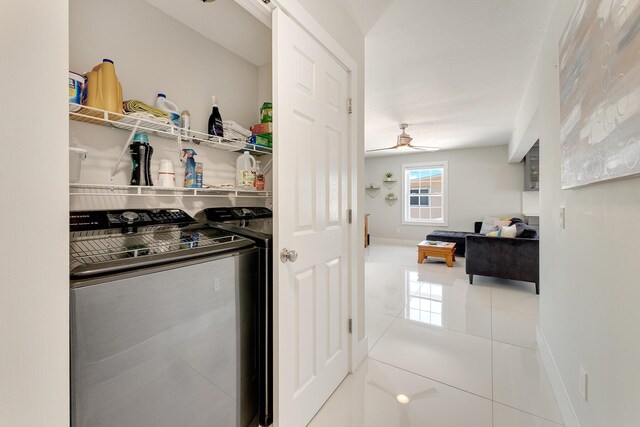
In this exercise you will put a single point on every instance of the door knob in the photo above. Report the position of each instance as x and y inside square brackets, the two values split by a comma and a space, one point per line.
[287, 255]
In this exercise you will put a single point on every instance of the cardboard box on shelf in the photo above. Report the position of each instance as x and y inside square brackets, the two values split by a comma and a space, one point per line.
[261, 128]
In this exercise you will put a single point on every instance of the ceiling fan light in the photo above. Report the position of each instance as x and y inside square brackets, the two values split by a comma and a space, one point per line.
[403, 398]
[404, 139]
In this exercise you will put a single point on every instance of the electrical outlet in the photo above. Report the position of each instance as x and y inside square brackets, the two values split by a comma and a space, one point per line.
[398, 230]
[584, 383]
[562, 217]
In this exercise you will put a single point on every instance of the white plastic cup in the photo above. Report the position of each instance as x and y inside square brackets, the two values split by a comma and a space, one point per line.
[166, 175]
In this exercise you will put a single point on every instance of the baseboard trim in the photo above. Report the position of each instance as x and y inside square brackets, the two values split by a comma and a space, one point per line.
[562, 397]
[385, 240]
[361, 352]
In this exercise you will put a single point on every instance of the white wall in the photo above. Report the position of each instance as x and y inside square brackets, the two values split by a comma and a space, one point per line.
[265, 86]
[154, 53]
[34, 278]
[589, 273]
[481, 183]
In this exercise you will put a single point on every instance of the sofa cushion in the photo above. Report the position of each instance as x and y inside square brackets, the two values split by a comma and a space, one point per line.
[487, 225]
[488, 228]
[529, 233]
[508, 232]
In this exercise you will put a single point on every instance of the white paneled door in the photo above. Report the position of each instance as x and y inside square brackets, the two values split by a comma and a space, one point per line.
[311, 208]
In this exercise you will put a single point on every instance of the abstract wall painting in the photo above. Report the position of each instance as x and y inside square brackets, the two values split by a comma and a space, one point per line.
[600, 93]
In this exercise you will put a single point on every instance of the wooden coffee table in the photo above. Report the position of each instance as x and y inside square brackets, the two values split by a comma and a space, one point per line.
[441, 250]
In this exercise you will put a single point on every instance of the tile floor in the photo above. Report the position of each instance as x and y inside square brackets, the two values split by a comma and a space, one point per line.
[460, 355]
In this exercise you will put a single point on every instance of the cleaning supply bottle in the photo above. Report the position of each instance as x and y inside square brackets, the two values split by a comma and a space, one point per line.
[189, 168]
[215, 120]
[260, 181]
[168, 107]
[103, 88]
[185, 124]
[141, 153]
[245, 172]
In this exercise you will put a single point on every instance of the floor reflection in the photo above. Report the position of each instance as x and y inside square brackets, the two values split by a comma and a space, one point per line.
[424, 306]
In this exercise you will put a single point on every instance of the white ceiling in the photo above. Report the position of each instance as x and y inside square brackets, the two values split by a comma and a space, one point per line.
[365, 13]
[226, 23]
[454, 70]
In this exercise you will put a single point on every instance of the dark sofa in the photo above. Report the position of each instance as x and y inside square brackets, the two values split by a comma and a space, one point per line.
[514, 259]
[457, 237]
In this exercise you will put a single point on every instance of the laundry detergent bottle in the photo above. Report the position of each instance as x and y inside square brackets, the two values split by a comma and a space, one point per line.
[246, 172]
[103, 88]
[141, 153]
[168, 107]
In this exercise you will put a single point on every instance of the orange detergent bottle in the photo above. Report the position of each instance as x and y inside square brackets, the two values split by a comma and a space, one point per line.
[103, 88]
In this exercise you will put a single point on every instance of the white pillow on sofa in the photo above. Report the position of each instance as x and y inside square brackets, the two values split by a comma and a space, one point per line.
[488, 225]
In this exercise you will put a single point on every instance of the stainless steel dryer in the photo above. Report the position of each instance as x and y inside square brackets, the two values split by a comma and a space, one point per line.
[257, 224]
[163, 316]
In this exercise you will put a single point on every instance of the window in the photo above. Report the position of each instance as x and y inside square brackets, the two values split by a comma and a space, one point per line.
[424, 193]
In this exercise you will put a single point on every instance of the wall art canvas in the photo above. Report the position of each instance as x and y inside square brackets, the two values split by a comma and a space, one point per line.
[600, 92]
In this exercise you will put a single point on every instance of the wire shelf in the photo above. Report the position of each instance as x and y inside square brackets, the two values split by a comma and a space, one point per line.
[101, 247]
[160, 127]
[133, 190]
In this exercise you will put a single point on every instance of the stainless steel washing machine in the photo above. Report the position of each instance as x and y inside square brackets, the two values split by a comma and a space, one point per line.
[163, 315]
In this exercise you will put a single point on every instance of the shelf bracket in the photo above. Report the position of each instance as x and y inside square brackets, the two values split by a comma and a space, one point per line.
[179, 142]
[124, 149]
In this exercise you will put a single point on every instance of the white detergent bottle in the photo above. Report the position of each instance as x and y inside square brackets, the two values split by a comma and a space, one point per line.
[168, 107]
[245, 172]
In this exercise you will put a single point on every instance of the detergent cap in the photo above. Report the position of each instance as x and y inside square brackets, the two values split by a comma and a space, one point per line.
[141, 137]
[107, 60]
[162, 95]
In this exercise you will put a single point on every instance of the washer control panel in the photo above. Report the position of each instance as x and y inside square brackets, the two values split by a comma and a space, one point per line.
[100, 220]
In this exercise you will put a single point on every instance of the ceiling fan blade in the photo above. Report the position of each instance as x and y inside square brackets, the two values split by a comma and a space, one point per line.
[420, 148]
[432, 392]
[382, 149]
[379, 387]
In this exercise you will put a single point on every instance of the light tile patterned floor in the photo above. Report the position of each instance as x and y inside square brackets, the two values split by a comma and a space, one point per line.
[462, 355]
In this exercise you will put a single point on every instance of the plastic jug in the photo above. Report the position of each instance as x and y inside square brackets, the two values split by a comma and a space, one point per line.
[103, 88]
[168, 107]
[246, 172]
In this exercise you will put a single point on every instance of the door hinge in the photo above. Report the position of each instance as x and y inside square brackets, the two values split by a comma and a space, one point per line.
[350, 216]
[350, 105]
[350, 326]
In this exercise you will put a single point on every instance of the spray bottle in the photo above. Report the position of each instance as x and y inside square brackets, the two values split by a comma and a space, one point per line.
[189, 168]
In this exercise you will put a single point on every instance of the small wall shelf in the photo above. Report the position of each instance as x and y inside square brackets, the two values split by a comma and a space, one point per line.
[372, 190]
[389, 182]
[391, 199]
[107, 190]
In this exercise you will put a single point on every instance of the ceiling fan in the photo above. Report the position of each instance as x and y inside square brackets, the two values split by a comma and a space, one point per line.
[404, 141]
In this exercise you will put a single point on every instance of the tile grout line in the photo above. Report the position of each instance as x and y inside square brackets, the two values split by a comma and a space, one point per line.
[430, 379]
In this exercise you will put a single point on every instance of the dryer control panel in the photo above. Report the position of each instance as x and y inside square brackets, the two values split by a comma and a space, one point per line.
[230, 214]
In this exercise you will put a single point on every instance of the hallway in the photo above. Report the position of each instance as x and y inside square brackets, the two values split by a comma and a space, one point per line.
[443, 352]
